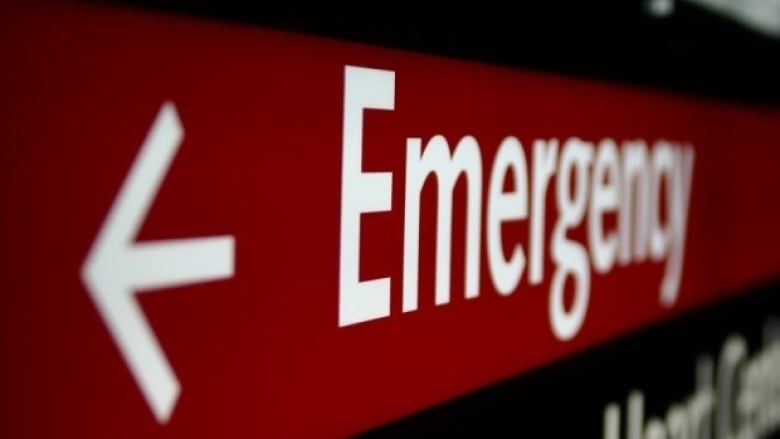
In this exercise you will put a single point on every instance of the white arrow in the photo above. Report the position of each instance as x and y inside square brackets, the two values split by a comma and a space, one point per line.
[117, 267]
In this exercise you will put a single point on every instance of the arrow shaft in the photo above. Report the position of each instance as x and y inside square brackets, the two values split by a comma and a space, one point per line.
[172, 263]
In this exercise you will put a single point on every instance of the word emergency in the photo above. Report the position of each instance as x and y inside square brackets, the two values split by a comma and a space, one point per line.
[593, 179]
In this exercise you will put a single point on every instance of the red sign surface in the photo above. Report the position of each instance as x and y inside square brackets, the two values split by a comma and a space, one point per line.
[216, 230]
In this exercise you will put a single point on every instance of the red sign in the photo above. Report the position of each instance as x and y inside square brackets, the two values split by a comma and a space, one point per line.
[215, 230]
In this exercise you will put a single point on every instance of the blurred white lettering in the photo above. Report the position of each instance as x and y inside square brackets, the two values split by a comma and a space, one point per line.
[741, 401]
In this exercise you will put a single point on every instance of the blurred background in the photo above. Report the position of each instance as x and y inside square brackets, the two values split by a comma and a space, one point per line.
[722, 48]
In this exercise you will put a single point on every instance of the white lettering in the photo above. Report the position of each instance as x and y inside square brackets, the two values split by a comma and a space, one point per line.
[678, 215]
[512, 206]
[545, 157]
[361, 192]
[570, 257]
[604, 199]
[634, 202]
[436, 160]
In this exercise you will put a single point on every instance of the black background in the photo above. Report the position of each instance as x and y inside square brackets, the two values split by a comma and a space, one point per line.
[692, 50]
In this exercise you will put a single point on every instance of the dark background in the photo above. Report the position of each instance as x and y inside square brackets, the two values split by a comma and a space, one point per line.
[691, 50]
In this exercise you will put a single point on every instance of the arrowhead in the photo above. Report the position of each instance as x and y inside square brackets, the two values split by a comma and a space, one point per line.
[116, 267]
[105, 277]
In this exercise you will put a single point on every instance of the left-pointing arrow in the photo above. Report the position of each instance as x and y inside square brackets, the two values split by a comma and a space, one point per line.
[117, 267]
